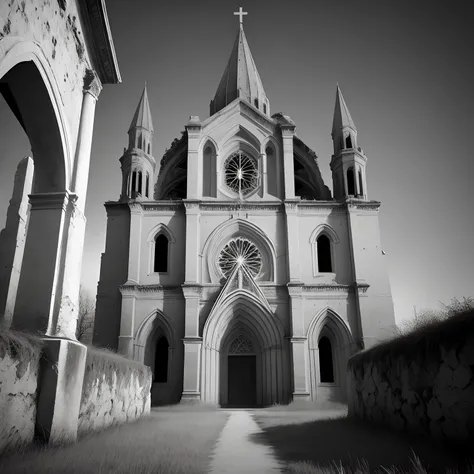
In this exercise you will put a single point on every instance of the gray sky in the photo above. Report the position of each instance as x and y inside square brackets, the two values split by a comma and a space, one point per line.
[406, 72]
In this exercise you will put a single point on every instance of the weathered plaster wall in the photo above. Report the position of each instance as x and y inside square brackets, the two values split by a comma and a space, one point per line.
[422, 382]
[19, 365]
[115, 390]
[55, 27]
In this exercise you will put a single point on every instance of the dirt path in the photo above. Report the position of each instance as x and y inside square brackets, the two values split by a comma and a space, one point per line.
[236, 453]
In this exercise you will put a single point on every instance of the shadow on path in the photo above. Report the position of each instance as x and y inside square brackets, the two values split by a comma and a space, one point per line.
[326, 441]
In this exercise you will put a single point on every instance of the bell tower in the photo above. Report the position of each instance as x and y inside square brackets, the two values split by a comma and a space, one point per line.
[348, 163]
[138, 164]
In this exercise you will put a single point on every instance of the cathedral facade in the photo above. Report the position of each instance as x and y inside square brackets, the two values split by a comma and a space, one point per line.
[229, 267]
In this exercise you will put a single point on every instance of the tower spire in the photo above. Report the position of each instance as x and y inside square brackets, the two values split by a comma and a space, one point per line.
[240, 78]
[342, 117]
[142, 117]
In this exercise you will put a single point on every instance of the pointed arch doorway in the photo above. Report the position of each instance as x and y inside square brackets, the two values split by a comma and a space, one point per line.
[241, 373]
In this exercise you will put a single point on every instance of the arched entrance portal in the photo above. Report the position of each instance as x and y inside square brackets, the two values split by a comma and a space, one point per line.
[245, 356]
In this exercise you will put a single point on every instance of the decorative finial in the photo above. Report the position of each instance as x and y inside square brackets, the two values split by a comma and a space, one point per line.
[241, 13]
[145, 84]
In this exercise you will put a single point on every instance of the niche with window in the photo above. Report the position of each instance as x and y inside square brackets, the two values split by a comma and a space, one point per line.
[161, 360]
[326, 365]
[361, 187]
[160, 264]
[209, 187]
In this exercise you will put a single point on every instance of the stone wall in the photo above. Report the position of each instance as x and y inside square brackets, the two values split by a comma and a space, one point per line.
[115, 390]
[19, 367]
[422, 382]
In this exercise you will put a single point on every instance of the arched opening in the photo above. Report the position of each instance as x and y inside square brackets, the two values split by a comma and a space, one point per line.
[256, 103]
[32, 294]
[149, 148]
[350, 182]
[265, 109]
[209, 171]
[161, 254]
[134, 185]
[272, 171]
[348, 141]
[361, 187]
[324, 254]
[147, 184]
[139, 190]
[161, 360]
[326, 365]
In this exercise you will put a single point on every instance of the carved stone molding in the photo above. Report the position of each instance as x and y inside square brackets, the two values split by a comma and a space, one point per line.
[232, 206]
[327, 287]
[52, 200]
[295, 288]
[362, 206]
[292, 205]
[164, 206]
[191, 205]
[192, 340]
[298, 339]
[92, 84]
[307, 207]
[134, 290]
[361, 287]
[191, 290]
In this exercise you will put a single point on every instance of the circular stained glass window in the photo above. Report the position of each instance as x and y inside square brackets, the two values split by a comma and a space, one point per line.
[242, 252]
[241, 173]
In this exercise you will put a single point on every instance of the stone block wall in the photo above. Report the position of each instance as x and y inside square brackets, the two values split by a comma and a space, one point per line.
[115, 390]
[422, 382]
[19, 368]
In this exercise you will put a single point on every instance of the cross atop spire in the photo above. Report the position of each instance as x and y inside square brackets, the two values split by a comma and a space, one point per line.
[241, 13]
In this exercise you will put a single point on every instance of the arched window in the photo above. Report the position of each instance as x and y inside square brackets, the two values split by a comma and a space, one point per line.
[326, 368]
[361, 188]
[264, 108]
[149, 148]
[348, 141]
[139, 188]
[161, 254]
[134, 184]
[161, 360]
[350, 182]
[256, 103]
[324, 254]
[147, 184]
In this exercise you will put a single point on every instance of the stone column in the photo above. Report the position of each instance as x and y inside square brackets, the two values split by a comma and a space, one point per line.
[92, 89]
[12, 240]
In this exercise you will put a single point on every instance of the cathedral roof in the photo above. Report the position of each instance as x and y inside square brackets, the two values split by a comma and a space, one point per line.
[142, 117]
[342, 116]
[240, 79]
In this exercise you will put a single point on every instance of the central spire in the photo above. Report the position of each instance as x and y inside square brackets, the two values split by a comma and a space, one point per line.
[240, 78]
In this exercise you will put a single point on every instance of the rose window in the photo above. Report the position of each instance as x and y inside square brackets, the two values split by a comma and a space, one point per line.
[240, 252]
[241, 173]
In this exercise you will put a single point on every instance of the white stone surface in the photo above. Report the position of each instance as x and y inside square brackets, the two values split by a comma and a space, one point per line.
[18, 384]
[235, 452]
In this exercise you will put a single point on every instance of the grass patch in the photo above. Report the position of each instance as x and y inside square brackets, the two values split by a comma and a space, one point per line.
[20, 345]
[164, 442]
[324, 442]
[451, 332]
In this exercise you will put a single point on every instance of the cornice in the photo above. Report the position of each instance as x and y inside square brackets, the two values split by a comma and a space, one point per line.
[95, 23]
[356, 204]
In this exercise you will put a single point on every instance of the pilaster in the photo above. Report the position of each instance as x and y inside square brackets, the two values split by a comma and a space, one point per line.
[192, 242]
[49, 282]
[292, 231]
[192, 369]
[195, 168]
[287, 133]
[136, 218]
